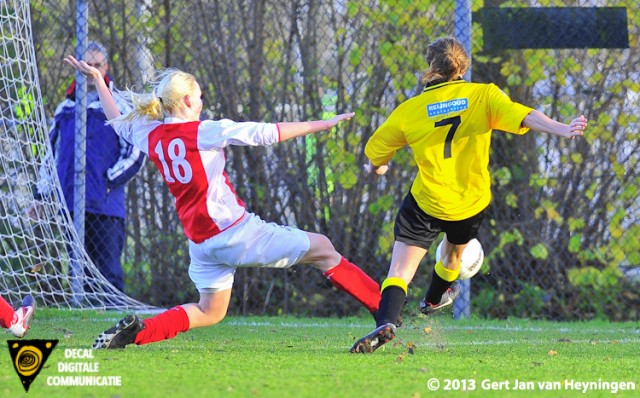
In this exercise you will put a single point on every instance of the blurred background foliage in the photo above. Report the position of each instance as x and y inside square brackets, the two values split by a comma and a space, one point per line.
[561, 236]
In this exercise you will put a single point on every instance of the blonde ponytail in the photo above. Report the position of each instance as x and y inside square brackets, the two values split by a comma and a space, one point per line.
[168, 89]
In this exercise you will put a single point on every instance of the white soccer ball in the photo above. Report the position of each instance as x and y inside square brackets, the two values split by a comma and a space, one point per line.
[472, 258]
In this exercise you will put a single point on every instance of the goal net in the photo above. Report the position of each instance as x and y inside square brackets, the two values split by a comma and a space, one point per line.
[40, 252]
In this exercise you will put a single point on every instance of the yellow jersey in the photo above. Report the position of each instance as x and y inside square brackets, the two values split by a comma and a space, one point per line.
[448, 128]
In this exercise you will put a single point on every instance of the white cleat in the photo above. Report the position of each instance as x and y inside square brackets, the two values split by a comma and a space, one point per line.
[447, 299]
[22, 317]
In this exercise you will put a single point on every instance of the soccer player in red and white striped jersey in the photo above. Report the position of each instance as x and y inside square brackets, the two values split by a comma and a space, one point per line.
[222, 234]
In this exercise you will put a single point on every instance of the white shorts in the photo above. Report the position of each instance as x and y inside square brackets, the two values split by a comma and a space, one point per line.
[250, 243]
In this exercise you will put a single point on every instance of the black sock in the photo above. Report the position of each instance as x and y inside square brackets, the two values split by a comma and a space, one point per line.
[391, 304]
[436, 289]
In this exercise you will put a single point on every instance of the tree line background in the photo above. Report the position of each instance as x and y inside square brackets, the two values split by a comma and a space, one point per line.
[560, 237]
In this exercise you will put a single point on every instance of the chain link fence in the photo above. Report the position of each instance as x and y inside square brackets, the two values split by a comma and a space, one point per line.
[560, 237]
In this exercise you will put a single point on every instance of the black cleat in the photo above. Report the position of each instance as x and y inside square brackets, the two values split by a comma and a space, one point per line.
[447, 299]
[121, 335]
[375, 339]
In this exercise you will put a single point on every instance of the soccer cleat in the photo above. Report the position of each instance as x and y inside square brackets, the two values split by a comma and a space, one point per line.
[375, 339]
[22, 317]
[121, 335]
[447, 299]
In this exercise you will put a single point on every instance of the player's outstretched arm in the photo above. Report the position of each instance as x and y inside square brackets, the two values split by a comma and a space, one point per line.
[290, 130]
[538, 121]
[111, 110]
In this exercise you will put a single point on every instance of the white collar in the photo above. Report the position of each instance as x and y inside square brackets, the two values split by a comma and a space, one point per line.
[171, 120]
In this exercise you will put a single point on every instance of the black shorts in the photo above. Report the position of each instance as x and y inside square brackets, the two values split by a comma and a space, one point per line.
[416, 228]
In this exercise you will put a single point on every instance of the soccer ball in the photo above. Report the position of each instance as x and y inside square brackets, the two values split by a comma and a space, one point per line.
[472, 258]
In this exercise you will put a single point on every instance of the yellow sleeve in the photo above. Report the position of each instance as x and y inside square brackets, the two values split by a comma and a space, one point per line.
[506, 115]
[386, 140]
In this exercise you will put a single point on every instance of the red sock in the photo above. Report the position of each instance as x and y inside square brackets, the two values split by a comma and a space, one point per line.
[6, 313]
[164, 326]
[351, 279]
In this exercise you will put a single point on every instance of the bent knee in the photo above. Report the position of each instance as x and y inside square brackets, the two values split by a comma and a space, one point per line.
[320, 243]
[209, 319]
[321, 252]
[209, 316]
[213, 319]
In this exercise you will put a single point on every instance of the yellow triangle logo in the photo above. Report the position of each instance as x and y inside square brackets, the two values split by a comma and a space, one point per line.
[28, 357]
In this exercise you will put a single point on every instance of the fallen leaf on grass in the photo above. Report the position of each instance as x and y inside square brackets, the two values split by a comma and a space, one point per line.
[552, 353]
[427, 330]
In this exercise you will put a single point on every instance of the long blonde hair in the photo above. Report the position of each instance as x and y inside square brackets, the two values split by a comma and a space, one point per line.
[448, 60]
[168, 90]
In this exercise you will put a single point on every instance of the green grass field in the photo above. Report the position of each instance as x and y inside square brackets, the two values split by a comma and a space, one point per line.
[294, 357]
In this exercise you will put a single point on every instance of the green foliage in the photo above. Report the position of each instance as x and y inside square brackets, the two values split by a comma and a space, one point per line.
[575, 243]
[595, 279]
[529, 301]
[385, 240]
[382, 204]
[539, 251]
[502, 176]
[506, 238]
[629, 245]
[597, 289]
[557, 204]
[26, 103]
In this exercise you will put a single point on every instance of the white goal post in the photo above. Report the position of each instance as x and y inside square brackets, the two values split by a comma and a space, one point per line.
[40, 255]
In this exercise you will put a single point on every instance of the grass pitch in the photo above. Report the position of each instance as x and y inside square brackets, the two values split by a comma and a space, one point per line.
[295, 357]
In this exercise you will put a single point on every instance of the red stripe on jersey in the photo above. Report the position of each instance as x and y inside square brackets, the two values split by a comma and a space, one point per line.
[173, 148]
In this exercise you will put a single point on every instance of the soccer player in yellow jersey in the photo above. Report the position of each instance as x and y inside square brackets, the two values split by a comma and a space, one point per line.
[448, 128]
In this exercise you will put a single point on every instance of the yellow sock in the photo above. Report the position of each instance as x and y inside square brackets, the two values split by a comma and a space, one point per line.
[447, 274]
[394, 281]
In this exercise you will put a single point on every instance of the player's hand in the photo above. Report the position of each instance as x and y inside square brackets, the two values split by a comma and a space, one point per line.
[89, 71]
[380, 170]
[338, 118]
[577, 126]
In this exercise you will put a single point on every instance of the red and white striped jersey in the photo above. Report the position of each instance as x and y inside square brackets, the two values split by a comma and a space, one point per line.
[191, 159]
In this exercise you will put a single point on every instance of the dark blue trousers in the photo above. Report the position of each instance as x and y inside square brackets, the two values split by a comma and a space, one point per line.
[104, 240]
